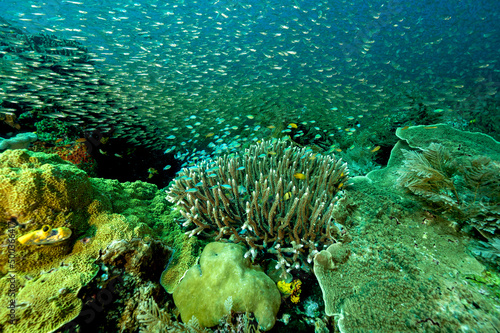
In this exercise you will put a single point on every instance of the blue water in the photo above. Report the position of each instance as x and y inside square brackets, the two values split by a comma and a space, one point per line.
[286, 62]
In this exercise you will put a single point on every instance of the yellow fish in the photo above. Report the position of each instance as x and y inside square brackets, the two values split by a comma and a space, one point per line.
[299, 175]
[292, 125]
[45, 236]
[375, 149]
[152, 172]
[287, 195]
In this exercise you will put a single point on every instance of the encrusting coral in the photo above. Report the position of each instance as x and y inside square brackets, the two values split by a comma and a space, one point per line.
[405, 269]
[273, 197]
[41, 193]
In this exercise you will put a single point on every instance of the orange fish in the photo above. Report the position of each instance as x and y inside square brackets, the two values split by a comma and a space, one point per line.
[406, 127]
[430, 127]
[81, 140]
[58, 140]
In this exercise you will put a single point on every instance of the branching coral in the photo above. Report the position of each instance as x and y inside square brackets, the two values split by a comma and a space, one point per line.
[468, 187]
[274, 197]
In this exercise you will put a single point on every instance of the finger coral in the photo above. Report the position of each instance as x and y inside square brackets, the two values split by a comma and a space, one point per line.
[255, 197]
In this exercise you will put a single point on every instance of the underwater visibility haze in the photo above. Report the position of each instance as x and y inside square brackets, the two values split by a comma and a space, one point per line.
[245, 166]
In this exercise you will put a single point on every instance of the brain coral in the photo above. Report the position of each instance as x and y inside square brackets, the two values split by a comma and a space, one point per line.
[223, 272]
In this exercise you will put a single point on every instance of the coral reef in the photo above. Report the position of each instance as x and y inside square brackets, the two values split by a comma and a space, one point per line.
[20, 141]
[53, 130]
[467, 187]
[404, 268]
[10, 119]
[76, 153]
[182, 259]
[224, 272]
[389, 263]
[48, 283]
[155, 320]
[274, 197]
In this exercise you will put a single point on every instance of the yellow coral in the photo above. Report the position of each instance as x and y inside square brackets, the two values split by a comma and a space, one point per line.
[285, 288]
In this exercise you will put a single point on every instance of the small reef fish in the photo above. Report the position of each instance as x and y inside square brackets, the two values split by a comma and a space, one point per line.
[45, 236]
[375, 149]
[292, 125]
[215, 168]
[299, 175]
[152, 172]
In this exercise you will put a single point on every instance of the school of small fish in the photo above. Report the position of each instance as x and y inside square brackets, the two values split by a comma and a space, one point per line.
[202, 78]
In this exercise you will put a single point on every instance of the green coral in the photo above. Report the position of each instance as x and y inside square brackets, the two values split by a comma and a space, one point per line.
[39, 189]
[403, 268]
[224, 273]
[53, 129]
[31, 181]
